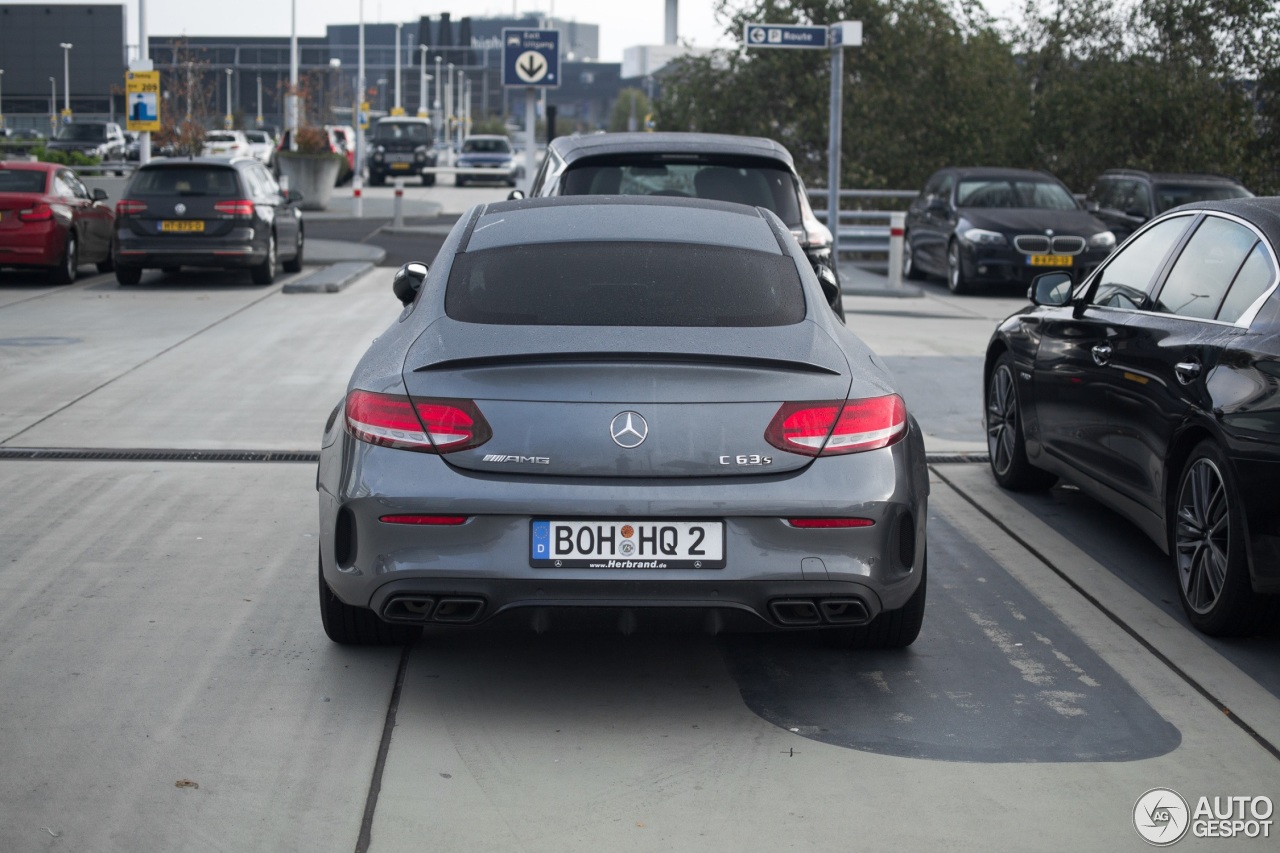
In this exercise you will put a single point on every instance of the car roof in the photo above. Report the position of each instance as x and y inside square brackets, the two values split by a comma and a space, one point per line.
[1263, 212]
[1187, 177]
[173, 162]
[963, 172]
[31, 166]
[571, 148]
[658, 219]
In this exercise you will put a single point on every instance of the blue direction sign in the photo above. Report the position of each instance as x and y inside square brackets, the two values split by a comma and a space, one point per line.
[531, 58]
[784, 35]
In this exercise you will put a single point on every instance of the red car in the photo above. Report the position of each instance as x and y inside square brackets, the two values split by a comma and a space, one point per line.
[50, 220]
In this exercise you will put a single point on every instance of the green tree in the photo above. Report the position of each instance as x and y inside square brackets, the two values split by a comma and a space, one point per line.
[629, 111]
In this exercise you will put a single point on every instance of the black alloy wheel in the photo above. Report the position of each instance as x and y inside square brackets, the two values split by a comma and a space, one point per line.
[1209, 553]
[955, 271]
[65, 272]
[265, 272]
[909, 268]
[1005, 443]
[294, 264]
[892, 629]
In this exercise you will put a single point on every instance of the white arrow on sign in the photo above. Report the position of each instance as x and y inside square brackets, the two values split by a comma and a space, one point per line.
[531, 66]
[757, 34]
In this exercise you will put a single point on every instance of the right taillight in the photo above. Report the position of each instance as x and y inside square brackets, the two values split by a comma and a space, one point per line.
[832, 427]
[424, 425]
[130, 207]
[239, 207]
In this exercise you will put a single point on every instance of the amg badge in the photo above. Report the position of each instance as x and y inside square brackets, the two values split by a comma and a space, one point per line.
[527, 460]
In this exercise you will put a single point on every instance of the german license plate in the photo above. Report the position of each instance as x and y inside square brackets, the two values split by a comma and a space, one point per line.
[1049, 260]
[184, 226]
[631, 544]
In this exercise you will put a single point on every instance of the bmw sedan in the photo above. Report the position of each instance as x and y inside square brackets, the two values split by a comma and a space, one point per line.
[1154, 386]
[50, 221]
[637, 408]
[974, 226]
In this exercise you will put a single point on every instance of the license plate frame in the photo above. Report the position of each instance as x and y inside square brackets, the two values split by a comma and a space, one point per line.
[654, 543]
[1046, 260]
[182, 226]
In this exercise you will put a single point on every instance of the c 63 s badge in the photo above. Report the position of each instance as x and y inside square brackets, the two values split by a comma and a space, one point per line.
[746, 459]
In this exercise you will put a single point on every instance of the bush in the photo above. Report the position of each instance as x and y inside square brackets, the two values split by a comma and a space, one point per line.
[64, 158]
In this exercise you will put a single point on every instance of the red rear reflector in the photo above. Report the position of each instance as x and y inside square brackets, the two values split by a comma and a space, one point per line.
[441, 520]
[129, 207]
[829, 523]
[39, 213]
[430, 426]
[830, 427]
[239, 207]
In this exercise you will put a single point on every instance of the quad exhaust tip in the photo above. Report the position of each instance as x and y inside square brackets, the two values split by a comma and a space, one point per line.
[831, 611]
[419, 609]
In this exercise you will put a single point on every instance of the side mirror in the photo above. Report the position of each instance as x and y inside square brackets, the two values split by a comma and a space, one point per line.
[99, 194]
[1137, 213]
[1091, 206]
[408, 281]
[1051, 288]
[515, 195]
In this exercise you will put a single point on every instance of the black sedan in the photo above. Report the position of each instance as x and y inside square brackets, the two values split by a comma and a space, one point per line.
[997, 225]
[1154, 386]
[207, 212]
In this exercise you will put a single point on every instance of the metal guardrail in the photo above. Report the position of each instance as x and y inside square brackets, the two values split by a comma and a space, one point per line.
[864, 231]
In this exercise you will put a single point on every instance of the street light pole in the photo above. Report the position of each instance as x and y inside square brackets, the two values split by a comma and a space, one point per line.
[291, 102]
[229, 120]
[448, 109]
[260, 120]
[422, 82]
[66, 80]
[436, 106]
[53, 107]
[399, 110]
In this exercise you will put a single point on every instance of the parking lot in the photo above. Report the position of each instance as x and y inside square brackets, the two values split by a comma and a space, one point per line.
[167, 684]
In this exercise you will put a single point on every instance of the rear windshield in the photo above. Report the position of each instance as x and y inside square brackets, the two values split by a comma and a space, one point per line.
[624, 284]
[256, 136]
[219, 137]
[21, 181]
[185, 181]
[394, 132]
[1169, 196]
[759, 186]
[485, 146]
[1014, 192]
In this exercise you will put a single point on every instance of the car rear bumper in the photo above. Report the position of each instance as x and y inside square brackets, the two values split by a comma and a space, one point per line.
[778, 575]
[238, 249]
[35, 244]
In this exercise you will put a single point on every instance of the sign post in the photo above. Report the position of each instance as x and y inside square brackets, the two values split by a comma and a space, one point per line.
[530, 59]
[836, 37]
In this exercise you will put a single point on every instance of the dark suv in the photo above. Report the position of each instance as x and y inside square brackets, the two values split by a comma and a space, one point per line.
[102, 139]
[401, 146]
[740, 169]
[1126, 198]
[207, 212]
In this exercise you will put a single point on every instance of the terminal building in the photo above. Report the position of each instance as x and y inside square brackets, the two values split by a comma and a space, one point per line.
[208, 77]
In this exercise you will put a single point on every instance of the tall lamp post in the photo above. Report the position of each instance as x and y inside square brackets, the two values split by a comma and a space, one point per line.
[422, 82]
[66, 81]
[335, 98]
[229, 119]
[398, 110]
[260, 119]
[53, 107]
[437, 106]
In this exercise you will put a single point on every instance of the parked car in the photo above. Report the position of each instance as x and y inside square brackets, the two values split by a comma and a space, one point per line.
[979, 225]
[1153, 387]
[739, 169]
[401, 146]
[490, 153]
[624, 406]
[226, 143]
[132, 146]
[342, 139]
[1126, 198]
[50, 221]
[102, 139]
[262, 146]
[207, 212]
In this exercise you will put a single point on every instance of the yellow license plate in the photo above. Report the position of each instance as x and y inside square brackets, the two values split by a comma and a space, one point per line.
[1049, 260]
[182, 225]
[399, 165]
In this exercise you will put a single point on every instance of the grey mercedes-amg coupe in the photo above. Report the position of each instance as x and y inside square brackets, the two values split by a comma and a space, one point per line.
[639, 408]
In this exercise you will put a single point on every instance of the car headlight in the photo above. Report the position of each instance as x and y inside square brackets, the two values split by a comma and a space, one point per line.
[378, 149]
[1102, 240]
[983, 237]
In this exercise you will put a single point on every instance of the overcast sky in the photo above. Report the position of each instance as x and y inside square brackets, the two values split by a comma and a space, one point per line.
[623, 23]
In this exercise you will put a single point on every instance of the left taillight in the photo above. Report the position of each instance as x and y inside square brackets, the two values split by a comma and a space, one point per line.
[239, 207]
[425, 425]
[36, 213]
[833, 427]
[130, 207]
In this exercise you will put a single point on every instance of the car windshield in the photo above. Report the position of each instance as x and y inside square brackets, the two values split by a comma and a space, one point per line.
[760, 186]
[21, 181]
[83, 132]
[219, 137]
[624, 284]
[486, 146]
[398, 132]
[1169, 196]
[185, 181]
[1013, 192]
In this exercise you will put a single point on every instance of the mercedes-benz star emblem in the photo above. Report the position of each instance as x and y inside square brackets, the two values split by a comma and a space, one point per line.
[179, 209]
[628, 430]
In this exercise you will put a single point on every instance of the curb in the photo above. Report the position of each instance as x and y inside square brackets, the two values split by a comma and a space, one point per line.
[330, 279]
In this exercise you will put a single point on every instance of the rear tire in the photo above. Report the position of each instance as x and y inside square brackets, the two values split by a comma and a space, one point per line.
[265, 272]
[1005, 444]
[892, 629]
[428, 180]
[359, 626]
[107, 264]
[294, 264]
[65, 271]
[909, 268]
[956, 281]
[376, 180]
[128, 275]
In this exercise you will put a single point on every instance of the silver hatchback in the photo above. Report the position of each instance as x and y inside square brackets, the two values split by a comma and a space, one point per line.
[631, 407]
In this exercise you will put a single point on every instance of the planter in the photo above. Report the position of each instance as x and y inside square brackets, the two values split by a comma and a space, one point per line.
[312, 175]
